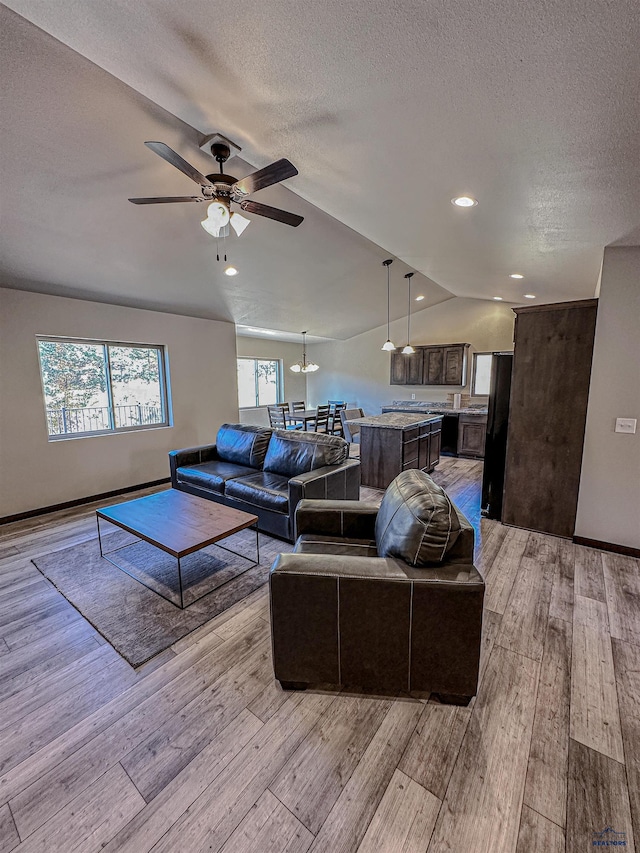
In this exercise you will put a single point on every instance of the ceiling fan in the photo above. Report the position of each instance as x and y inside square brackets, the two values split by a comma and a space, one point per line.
[221, 190]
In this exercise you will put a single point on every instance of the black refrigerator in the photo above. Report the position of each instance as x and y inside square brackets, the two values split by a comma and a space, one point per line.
[495, 450]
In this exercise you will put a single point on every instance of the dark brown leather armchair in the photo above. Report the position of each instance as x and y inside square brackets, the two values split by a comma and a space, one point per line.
[381, 599]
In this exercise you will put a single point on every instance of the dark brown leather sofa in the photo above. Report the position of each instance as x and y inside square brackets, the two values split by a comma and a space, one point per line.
[267, 472]
[382, 599]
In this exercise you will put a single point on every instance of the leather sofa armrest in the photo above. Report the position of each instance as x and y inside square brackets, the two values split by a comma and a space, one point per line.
[456, 579]
[462, 549]
[337, 566]
[351, 519]
[331, 482]
[190, 456]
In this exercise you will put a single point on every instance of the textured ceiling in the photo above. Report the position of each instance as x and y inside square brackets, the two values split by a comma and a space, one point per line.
[388, 111]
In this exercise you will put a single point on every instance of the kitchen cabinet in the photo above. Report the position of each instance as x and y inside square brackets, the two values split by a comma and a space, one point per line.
[454, 364]
[433, 364]
[445, 364]
[434, 444]
[406, 369]
[390, 444]
[472, 433]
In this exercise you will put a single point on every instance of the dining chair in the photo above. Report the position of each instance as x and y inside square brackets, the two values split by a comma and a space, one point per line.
[277, 418]
[298, 406]
[351, 430]
[335, 423]
[321, 423]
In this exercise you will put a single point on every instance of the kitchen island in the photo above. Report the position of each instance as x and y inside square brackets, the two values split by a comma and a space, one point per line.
[391, 443]
[463, 429]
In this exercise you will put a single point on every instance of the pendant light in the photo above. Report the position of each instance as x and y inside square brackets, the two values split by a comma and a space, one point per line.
[388, 346]
[304, 366]
[409, 350]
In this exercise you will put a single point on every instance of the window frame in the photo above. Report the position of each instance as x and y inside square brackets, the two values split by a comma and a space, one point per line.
[279, 381]
[474, 363]
[163, 377]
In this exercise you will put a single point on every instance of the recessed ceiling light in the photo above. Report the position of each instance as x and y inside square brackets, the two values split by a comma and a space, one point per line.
[498, 298]
[419, 298]
[529, 296]
[231, 271]
[464, 201]
[516, 275]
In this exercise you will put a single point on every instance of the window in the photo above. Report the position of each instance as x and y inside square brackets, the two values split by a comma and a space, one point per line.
[481, 374]
[95, 387]
[258, 382]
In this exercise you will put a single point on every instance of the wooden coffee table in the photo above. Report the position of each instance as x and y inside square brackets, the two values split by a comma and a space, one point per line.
[177, 523]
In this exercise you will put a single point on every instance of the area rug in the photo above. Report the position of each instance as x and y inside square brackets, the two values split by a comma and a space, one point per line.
[136, 621]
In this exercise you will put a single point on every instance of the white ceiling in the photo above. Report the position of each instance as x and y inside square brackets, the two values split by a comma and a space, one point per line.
[387, 109]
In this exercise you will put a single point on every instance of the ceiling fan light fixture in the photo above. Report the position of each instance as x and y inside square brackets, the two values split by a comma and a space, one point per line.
[231, 271]
[239, 222]
[218, 212]
[211, 227]
[217, 218]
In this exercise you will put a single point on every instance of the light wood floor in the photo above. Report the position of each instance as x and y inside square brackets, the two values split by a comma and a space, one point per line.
[201, 750]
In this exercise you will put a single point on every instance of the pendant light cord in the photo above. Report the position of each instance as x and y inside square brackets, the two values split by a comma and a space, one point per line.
[409, 276]
[387, 264]
[388, 307]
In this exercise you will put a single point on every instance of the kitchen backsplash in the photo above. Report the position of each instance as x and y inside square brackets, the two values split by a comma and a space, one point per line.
[466, 402]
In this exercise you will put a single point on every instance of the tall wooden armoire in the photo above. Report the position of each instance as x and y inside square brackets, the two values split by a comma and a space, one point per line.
[547, 415]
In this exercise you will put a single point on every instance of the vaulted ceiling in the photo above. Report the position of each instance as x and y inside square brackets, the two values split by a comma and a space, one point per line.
[388, 110]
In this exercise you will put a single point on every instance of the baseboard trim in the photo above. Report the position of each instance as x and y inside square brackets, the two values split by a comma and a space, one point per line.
[20, 516]
[607, 546]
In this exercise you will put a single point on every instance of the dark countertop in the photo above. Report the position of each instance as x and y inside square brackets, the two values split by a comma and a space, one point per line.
[394, 420]
[420, 406]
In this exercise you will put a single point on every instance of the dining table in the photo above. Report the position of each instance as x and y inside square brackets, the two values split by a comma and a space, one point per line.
[305, 417]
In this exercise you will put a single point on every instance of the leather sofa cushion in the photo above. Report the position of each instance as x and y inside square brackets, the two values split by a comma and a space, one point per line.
[211, 475]
[310, 543]
[290, 454]
[416, 521]
[262, 489]
[243, 444]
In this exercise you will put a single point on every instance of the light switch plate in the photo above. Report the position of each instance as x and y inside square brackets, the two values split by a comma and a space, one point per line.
[413, 396]
[626, 425]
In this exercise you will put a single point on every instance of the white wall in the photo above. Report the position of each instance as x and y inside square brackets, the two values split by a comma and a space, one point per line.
[35, 472]
[295, 384]
[357, 370]
[609, 497]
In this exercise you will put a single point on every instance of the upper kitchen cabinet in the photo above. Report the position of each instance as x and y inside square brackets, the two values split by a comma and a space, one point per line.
[454, 364]
[406, 369]
[445, 364]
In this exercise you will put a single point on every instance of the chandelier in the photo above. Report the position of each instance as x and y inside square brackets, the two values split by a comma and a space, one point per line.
[304, 366]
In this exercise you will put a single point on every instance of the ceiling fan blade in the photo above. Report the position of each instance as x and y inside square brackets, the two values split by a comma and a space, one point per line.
[273, 174]
[166, 200]
[176, 160]
[272, 213]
